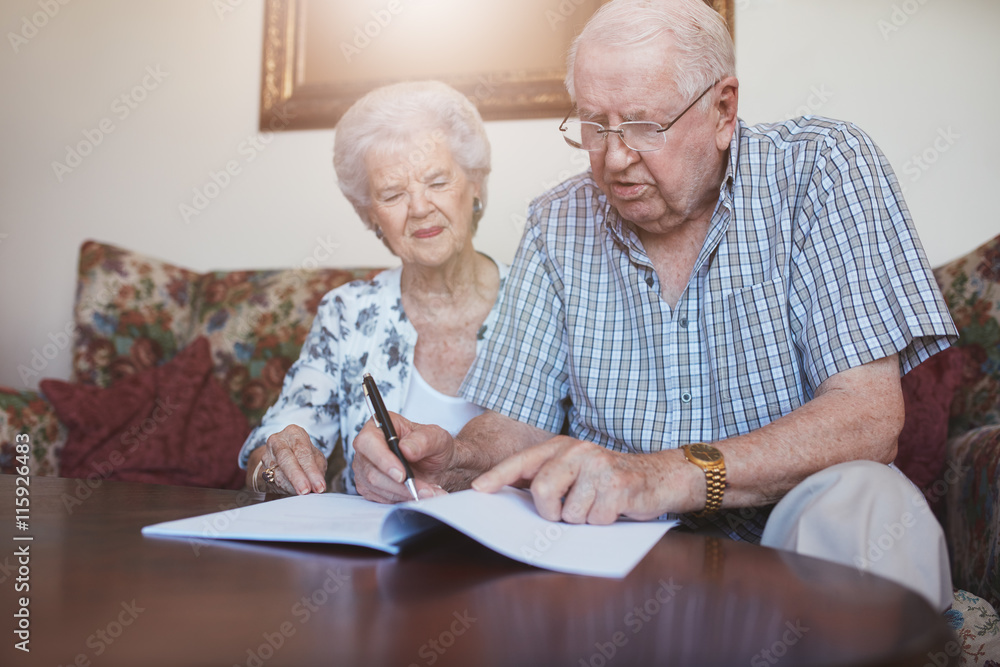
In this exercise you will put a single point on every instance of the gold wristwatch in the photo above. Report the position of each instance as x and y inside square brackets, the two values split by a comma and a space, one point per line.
[710, 460]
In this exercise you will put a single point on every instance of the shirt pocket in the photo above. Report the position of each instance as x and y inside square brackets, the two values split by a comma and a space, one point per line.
[756, 366]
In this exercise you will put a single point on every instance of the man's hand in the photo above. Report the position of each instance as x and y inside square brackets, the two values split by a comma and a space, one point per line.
[379, 475]
[581, 482]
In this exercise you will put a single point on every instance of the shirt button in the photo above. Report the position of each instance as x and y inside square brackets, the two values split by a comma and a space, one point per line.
[649, 281]
[684, 323]
[685, 397]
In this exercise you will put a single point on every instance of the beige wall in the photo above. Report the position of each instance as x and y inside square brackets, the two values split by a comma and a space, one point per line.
[918, 75]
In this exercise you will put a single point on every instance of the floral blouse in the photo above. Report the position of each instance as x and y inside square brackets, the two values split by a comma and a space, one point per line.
[359, 328]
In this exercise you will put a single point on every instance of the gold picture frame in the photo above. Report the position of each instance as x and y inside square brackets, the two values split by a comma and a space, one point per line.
[319, 56]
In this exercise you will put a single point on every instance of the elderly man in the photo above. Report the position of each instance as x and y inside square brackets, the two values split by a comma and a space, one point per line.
[760, 289]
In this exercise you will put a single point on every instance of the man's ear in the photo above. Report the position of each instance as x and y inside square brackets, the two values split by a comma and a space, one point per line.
[726, 105]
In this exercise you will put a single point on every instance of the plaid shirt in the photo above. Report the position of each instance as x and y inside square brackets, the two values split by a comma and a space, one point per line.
[811, 266]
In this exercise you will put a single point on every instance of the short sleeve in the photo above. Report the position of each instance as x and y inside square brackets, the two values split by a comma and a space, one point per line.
[521, 370]
[862, 286]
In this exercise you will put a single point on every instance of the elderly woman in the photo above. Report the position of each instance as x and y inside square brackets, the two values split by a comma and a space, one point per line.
[413, 160]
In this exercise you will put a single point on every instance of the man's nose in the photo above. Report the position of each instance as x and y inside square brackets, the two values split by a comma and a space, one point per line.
[618, 156]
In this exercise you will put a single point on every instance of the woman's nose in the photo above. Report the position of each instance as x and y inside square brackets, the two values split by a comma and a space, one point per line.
[420, 203]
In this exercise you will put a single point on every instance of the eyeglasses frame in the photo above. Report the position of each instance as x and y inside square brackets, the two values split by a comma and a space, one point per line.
[621, 133]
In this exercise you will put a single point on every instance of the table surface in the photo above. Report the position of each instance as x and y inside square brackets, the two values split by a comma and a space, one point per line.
[102, 594]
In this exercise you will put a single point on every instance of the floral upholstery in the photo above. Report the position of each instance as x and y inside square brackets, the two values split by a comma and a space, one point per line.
[27, 413]
[971, 478]
[977, 629]
[971, 288]
[256, 322]
[134, 312]
[973, 520]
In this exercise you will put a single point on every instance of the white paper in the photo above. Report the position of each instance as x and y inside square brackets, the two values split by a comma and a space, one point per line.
[315, 517]
[506, 522]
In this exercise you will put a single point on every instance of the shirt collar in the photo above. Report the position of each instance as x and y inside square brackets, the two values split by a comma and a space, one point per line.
[734, 159]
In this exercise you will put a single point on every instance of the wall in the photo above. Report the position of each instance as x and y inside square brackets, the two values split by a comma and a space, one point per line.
[166, 92]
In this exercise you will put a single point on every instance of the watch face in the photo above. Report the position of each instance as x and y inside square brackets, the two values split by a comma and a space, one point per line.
[704, 452]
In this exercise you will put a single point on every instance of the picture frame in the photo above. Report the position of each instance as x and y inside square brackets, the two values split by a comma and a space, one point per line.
[507, 56]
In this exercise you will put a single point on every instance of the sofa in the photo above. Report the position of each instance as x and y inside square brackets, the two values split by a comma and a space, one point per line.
[172, 368]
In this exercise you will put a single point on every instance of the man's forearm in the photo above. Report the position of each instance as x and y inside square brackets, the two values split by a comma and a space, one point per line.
[857, 414]
[484, 442]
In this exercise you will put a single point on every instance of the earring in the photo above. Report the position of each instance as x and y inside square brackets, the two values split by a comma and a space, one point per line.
[379, 234]
[477, 206]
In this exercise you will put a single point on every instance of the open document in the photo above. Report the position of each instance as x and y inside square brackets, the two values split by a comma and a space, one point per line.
[506, 522]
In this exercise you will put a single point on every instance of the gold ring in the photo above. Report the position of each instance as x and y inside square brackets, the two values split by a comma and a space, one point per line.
[269, 474]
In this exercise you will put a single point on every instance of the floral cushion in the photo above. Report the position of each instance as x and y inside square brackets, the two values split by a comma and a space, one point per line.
[977, 628]
[132, 312]
[256, 322]
[928, 392]
[27, 413]
[971, 287]
[973, 520]
[170, 424]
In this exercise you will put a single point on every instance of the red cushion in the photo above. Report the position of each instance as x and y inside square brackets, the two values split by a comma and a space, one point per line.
[170, 424]
[927, 394]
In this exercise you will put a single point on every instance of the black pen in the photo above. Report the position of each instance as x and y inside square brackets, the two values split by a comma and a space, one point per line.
[381, 417]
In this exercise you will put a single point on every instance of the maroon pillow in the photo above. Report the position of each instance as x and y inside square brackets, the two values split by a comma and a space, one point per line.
[170, 424]
[927, 394]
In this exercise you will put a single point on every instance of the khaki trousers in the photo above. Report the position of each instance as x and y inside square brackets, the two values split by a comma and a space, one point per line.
[869, 516]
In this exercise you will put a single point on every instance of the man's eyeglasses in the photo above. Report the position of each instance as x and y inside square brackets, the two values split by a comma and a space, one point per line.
[639, 135]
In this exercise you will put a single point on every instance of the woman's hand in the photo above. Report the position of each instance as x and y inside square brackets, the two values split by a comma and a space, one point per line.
[299, 467]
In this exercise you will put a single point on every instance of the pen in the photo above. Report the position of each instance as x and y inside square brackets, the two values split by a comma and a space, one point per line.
[381, 417]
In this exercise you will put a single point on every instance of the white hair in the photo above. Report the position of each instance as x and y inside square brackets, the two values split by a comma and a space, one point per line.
[389, 119]
[701, 39]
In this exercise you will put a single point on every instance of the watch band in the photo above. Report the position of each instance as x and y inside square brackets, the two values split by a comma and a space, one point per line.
[711, 462]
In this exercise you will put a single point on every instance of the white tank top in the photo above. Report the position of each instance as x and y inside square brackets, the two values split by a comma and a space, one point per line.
[426, 405]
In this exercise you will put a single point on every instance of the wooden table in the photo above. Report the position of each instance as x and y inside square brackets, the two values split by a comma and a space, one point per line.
[102, 594]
